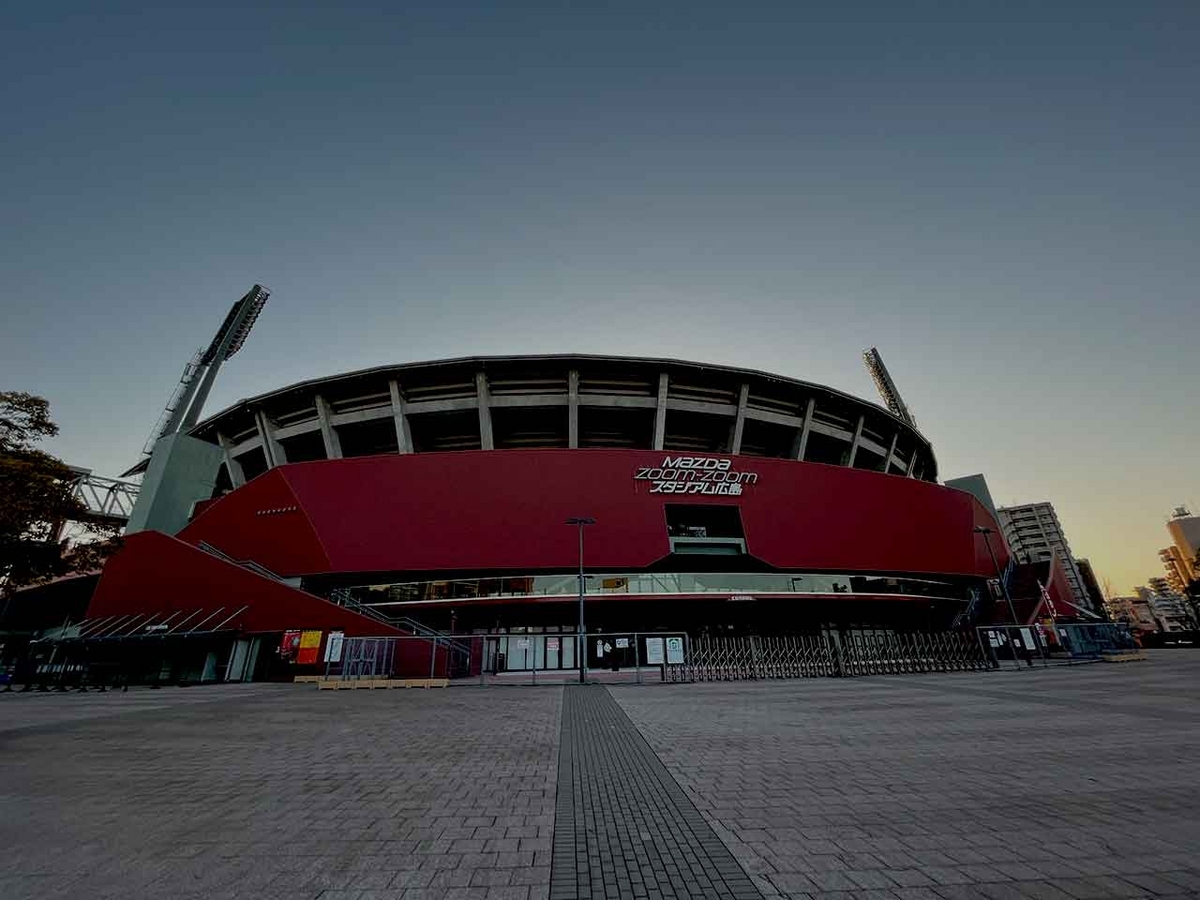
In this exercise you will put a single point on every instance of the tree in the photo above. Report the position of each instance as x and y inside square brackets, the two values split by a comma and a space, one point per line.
[37, 499]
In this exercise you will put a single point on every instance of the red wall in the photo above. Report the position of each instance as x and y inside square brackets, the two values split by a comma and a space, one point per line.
[506, 510]
[262, 521]
[1060, 591]
[155, 573]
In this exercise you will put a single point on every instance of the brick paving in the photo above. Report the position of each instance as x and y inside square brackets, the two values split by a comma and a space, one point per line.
[623, 827]
[1043, 785]
[1047, 784]
[278, 791]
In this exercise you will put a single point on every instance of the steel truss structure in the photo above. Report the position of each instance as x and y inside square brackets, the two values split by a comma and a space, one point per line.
[107, 500]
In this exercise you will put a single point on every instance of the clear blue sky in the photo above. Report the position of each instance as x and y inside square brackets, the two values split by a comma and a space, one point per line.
[1002, 196]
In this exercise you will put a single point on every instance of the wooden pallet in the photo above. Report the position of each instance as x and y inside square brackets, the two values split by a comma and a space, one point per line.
[1124, 656]
[369, 684]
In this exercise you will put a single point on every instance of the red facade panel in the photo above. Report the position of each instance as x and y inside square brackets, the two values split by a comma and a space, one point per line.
[1059, 589]
[155, 573]
[265, 523]
[505, 510]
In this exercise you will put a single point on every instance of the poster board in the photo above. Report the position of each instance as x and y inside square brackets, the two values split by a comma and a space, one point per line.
[333, 646]
[289, 646]
[674, 651]
[654, 651]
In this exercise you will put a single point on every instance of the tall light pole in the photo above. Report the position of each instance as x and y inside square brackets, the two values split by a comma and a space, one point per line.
[979, 529]
[581, 646]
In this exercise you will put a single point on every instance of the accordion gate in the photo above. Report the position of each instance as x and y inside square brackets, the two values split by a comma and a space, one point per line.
[831, 653]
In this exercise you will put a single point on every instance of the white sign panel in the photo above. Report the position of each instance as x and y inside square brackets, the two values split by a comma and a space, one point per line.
[1030, 641]
[552, 643]
[333, 646]
[622, 643]
[654, 651]
[674, 651]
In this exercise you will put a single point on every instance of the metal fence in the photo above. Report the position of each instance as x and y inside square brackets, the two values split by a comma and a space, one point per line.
[511, 658]
[545, 657]
[636, 657]
[832, 653]
[1038, 644]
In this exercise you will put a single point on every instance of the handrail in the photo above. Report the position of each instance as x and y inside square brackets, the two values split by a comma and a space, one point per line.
[250, 564]
[425, 631]
[344, 597]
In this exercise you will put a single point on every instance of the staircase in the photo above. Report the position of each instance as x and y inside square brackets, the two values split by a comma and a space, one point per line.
[343, 597]
[244, 563]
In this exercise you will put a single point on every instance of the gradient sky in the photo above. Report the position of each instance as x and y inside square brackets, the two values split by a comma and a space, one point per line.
[1001, 196]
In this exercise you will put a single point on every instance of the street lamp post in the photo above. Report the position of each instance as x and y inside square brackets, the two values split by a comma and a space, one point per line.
[581, 646]
[979, 529]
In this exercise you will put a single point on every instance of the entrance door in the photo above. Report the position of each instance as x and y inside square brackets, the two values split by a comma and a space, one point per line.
[520, 654]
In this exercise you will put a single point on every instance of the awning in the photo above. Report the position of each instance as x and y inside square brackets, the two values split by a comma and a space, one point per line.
[179, 623]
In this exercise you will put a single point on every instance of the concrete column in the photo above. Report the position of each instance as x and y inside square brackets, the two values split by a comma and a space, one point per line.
[333, 444]
[236, 476]
[854, 443]
[660, 413]
[735, 443]
[887, 465]
[483, 398]
[272, 449]
[573, 408]
[403, 435]
[802, 441]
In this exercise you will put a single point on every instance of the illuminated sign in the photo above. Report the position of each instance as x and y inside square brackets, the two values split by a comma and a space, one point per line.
[695, 475]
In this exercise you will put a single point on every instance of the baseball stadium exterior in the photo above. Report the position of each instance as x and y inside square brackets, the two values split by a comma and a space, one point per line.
[435, 497]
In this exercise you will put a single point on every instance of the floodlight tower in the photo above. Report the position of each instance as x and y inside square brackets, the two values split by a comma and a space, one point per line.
[179, 470]
[887, 387]
[184, 408]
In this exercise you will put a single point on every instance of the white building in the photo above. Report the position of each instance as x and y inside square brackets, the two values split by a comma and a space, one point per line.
[1184, 529]
[1178, 571]
[1034, 534]
[1170, 610]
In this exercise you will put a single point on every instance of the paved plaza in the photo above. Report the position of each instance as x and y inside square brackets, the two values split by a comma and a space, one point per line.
[1078, 782]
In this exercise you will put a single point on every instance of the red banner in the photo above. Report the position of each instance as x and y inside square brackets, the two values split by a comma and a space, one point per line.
[310, 648]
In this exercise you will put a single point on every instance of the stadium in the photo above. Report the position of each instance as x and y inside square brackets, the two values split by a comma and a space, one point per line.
[446, 497]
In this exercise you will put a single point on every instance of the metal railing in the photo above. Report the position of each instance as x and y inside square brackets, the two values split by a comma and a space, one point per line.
[1038, 644]
[248, 564]
[542, 657]
[345, 598]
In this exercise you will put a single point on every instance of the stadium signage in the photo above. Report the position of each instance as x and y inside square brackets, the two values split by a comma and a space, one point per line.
[695, 475]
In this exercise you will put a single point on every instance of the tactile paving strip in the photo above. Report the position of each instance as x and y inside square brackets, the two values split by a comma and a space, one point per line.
[623, 827]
